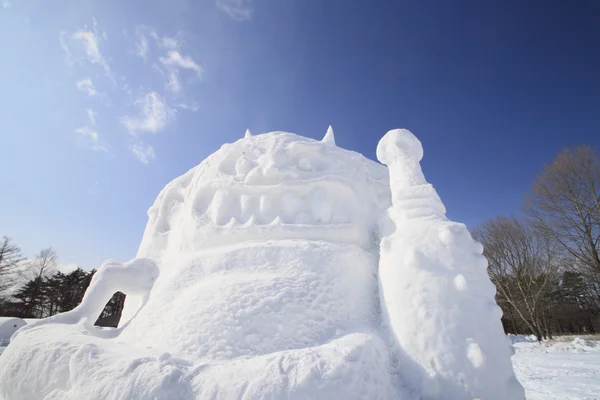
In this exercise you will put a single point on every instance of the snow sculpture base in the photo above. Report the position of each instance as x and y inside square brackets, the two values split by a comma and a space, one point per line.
[258, 278]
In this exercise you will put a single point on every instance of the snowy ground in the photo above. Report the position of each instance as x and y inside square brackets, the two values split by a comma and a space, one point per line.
[558, 370]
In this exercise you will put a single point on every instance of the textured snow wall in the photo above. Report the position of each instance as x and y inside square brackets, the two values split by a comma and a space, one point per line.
[437, 299]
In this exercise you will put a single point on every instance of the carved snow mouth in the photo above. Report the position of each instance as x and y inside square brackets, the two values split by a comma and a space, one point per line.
[325, 209]
[316, 203]
[272, 187]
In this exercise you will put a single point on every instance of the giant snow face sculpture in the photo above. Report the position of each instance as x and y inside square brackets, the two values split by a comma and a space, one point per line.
[267, 245]
[258, 277]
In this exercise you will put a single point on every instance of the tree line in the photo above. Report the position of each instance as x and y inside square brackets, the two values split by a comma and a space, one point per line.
[35, 289]
[545, 263]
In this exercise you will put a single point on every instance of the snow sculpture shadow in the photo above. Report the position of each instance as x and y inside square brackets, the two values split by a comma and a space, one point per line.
[289, 268]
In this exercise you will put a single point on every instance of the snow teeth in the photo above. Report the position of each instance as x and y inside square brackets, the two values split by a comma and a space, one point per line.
[249, 207]
[304, 218]
[233, 222]
[268, 208]
[251, 221]
[320, 207]
[218, 208]
[291, 204]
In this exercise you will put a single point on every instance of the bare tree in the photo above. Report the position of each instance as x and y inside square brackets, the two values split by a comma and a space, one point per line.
[36, 274]
[10, 258]
[565, 204]
[522, 264]
[43, 265]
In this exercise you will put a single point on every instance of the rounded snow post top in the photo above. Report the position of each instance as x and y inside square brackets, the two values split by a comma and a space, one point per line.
[399, 144]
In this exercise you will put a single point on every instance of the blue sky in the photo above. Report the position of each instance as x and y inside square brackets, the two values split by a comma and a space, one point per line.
[105, 102]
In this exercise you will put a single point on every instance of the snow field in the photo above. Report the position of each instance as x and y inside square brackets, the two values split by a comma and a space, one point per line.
[558, 371]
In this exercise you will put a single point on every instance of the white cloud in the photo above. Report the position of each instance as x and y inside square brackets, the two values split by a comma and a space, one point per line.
[142, 33]
[168, 42]
[143, 152]
[91, 116]
[89, 138]
[189, 107]
[153, 115]
[6, 3]
[141, 43]
[240, 10]
[175, 59]
[173, 84]
[173, 62]
[90, 43]
[87, 86]
[63, 44]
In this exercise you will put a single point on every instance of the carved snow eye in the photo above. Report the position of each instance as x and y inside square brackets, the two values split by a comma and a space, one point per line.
[304, 164]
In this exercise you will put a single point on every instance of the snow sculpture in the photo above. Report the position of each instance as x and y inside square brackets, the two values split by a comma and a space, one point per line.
[436, 296]
[135, 278]
[258, 276]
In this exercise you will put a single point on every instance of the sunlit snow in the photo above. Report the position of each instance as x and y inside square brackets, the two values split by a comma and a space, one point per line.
[283, 267]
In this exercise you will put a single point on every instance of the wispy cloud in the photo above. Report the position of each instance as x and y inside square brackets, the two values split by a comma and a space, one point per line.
[143, 33]
[173, 84]
[239, 10]
[143, 152]
[172, 62]
[63, 45]
[154, 113]
[91, 116]
[141, 43]
[92, 50]
[90, 40]
[189, 107]
[167, 41]
[175, 59]
[6, 3]
[152, 117]
[89, 138]
[87, 86]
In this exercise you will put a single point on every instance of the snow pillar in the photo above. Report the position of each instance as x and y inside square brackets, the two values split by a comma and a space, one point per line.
[437, 299]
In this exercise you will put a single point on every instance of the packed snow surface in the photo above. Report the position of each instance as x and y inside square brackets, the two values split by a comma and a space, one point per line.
[283, 267]
[558, 370]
